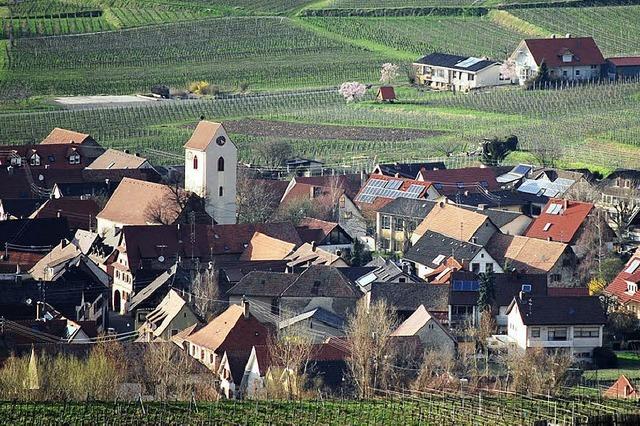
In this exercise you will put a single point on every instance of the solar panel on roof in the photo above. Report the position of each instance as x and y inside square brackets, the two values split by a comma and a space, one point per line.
[468, 62]
[394, 184]
[415, 189]
[633, 266]
[521, 169]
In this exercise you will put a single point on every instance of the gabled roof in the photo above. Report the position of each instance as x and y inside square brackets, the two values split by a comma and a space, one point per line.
[141, 194]
[550, 50]
[317, 314]
[407, 170]
[79, 213]
[380, 190]
[621, 388]
[203, 135]
[55, 156]
[546, 188]
[322, 281]
[174, 277]
[433, 246]
[262, 284]
[545, 310]
[451, 181]
[625, 61]
[33, 232]
[506, 287]
[408, 207]
[456, 62]
[315, 230]
[630, 274]
[412, 325]
[114, 159]
[560, 220]
[64, 136]
[452, 221]
[526, 255]
[19, 208]
[162, 316]
[60, 255]
[386, 93]
[409, 296]
[265, 247]
[330, 188]
[497, 199]
[308, 254]
[219, 334]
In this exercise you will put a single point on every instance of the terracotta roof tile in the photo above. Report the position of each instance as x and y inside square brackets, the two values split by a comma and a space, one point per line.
[625, 61]
[584, 49]
[619, 286]
[114, 159]
[564, 224]
[526, 255]
[202, 135]
[452, 221]
[265, 247]
[64, 136]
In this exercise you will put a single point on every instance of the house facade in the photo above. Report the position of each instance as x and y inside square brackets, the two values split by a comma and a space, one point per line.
[568, 58]
[457, 73]
[573, 324]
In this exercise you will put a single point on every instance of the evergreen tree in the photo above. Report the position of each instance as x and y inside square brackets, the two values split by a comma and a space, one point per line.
[359, 255]
[486, 292]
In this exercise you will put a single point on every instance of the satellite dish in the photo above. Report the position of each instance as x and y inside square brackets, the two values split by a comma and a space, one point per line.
[161, 259]
[40, 178]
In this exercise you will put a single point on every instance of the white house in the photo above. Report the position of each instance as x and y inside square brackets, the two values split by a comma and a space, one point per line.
[574, 324]
[459, 73]
[432, 334]
[211, 161]
[570, 58]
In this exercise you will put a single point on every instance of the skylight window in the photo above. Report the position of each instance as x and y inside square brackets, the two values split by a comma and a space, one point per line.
[438, 260]
[546, 227]
[526, 288]
[633, 267]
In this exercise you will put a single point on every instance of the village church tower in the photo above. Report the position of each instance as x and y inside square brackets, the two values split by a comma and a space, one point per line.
[211, 161]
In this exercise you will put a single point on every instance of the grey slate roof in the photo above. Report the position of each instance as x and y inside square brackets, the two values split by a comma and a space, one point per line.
[499, 199]
[432, 244]
[409, 296]
[318, 314]
[506, 287]
[408, 207]
[173, 277]
[450, 61]
[546, 310]
[322, 281]
[262, 283]
[409, 170]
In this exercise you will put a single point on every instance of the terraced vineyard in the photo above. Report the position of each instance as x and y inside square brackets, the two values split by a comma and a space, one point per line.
[265, 53]
[60, 17]
[473, 36]
[615, 28]
[354, 4]
[259, 6]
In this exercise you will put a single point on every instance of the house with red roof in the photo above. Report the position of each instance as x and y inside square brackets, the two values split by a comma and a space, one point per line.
[451, 182]
[560, 220]
[621, 388]
[567, 58]
[624, 287]
[329, 236]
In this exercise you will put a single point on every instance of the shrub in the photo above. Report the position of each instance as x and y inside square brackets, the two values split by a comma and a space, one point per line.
[199, 87]
[604, 358]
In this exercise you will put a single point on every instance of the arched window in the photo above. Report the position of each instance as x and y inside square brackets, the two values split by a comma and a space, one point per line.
[220, 192]
[221, 164]
[195, 162]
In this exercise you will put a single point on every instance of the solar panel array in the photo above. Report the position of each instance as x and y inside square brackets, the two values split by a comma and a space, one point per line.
[554, 209]
[546, 188]
[465, 285]
[387, 189]
[468, 62]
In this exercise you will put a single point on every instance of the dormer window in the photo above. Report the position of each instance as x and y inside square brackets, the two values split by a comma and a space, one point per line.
[567, 57]
[16, 160]
[632, 287]
[74, 158]
[35, 160]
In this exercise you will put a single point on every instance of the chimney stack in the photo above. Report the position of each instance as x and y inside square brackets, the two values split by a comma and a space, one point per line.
[39, 310]
[245, 308]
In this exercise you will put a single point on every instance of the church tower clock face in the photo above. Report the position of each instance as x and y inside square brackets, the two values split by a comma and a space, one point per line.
[221, 140]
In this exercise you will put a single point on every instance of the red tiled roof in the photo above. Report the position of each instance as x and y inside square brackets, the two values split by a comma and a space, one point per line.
[625, 61]
[386, 93]
[584, 49]
[381, 201]
[26, 260]
[450, 181]
[64, 136]
[563, 226]
[54, 156]
[618, 287]
[311, 229]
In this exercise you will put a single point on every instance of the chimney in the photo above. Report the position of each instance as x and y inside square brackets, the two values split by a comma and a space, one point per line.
[466, 193]
[313, 246]
[39, 310]
[63, 242]
[565, 205]
[568, 35]
[553, 36]
[59, 213]
[126, 151]
[245, 308]
[482, 206]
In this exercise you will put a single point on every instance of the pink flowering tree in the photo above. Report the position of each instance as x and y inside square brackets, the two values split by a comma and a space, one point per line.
[508, 69]
[352, 91]
[389, 72]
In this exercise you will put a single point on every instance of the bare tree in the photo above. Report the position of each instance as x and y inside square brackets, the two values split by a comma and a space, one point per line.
[205, 288]
[167, 368]
[624, 206]
[448, 146]
[256, 199]
[369, 333]
[546, 152]
[274, 152]
[535, 371]
[290, 351]
[295, 210]
[435, 371]
[591, 245]
[168, 208]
